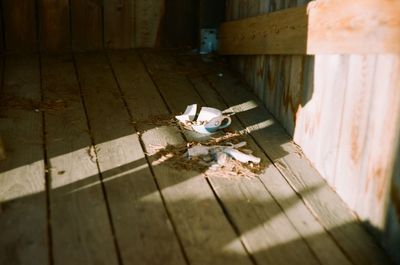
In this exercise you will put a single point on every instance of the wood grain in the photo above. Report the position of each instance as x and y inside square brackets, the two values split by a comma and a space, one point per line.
[321, 27]
[353, 140]
[119, 24]
[325, 203]
[54, 25]
[319, 117]
[142, 227]
[382, 134]
[23, 218]
[206, 234]
[281, 32]
[148, 19]
[81, 230]
[297, 212]
[86, 25]
[20, 25]
[363, 26]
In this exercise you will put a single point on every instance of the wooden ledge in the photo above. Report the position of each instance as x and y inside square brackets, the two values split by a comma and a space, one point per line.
[321, 27]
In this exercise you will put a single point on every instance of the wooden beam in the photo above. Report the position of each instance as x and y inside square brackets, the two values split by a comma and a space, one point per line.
[321, 27]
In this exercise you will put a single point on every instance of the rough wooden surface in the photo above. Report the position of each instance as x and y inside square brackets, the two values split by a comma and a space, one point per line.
[54, 25]
[20, 25]
[148, 22]
[180, 30]
[321, 27]
[203, 228]
[23, 216]
[86, 25]
[117, 202]
[316, 103]
[263, 234]
[359, 26]
[119, 24]
[320, 242]
[326, 205]
[142, 228]
[282, 32]
[83, 25]
[81, 231]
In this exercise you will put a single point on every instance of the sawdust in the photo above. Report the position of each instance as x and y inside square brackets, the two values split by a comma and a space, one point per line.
[174, 156]
[9, 102]
[157, 120]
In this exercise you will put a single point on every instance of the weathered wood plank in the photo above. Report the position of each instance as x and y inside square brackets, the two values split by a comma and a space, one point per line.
[180, 30]
[119, 24]
[353, 141]
[281, 32]
[204, 230]
[149, 15]
[54, 25]
[320, 27]
[142, 227]
[325, 203]
[319, 118]
[81, 230]
[20, 25]
[200, 222]
[362, 26]
[323, 247]
[23, 218]
[265, 230]
[86, 25]
[382, 133]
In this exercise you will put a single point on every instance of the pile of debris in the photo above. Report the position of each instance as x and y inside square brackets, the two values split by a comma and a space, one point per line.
[224, 155]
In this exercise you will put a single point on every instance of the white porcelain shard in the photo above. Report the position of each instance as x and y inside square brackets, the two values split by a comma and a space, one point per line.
[242, 157]
[206, 114]
[189, 114]
[198, 150]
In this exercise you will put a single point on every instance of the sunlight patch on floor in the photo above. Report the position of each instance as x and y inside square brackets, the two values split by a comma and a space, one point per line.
[248, 105]
[22, 181]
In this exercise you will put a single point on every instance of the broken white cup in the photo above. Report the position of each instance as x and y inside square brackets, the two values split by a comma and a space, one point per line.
[189, 114]
[206, 114]
[213, 125]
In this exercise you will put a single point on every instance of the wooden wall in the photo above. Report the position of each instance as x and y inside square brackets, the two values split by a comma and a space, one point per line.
[343, 110]
[60, 25]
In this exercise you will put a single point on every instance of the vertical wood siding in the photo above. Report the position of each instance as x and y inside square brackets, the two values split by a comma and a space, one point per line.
[119, 24]
[343, 110]
[20, 26]
[81, 25]
[54, 28]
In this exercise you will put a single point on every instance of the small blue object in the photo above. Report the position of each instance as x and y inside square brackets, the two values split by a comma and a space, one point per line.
[209, 41]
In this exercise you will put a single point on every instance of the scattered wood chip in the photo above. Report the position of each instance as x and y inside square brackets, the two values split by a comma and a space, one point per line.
[92, 152]
[174, 157]
[11, 102]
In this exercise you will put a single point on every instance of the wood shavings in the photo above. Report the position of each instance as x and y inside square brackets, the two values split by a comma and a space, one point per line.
[10, 102]
[175, 157]
[158, 120]
[92, 152]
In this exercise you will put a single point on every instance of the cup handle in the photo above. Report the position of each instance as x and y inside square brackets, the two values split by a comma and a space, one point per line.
[225, 122]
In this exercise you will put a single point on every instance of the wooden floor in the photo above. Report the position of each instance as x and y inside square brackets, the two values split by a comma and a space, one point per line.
[81, 184]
